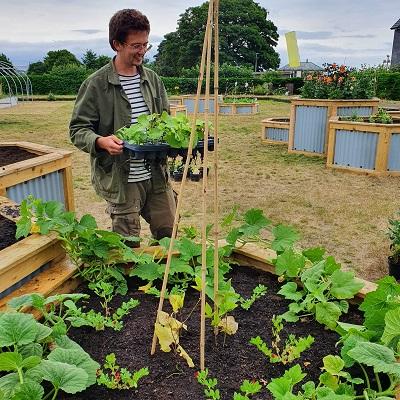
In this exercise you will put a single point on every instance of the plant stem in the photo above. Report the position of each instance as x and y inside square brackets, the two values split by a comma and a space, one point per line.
[55, 395]
[21, 377]
[48, 394]
[365, 375]
[378, 382]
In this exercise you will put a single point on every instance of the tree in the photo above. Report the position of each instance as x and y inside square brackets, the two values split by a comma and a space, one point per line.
[4, 58]
[59, 57]
[91, 61]
[246, 34]
[37, 68]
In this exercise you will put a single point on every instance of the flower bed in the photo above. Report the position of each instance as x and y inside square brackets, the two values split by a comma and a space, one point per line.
[238, 108]
[337, 91]
[189, 100]
[39, 170]
[364, 147]
[275, 130]
[176, 109]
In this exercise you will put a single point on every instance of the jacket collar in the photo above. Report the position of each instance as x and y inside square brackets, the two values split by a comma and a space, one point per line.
[112, 73]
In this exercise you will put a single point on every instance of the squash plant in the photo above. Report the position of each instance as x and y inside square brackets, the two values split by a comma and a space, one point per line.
[30, 355]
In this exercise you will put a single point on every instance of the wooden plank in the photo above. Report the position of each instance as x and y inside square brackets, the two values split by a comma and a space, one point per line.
[23, 175]
[382, 152]
[291, 127]
[30, 163]
[15, 272]
[68, 189]
[331, 145]
[56, 279]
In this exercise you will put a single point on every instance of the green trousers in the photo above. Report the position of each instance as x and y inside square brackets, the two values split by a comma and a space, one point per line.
[158, 210]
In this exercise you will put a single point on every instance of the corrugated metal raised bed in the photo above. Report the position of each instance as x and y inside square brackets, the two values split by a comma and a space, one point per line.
[46, 173]
[275, 130]
[238, 108]
[309, 118]
[189, 100]
[364, 147]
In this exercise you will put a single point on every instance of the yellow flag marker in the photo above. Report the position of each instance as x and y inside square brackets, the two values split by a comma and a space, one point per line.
[292, 49]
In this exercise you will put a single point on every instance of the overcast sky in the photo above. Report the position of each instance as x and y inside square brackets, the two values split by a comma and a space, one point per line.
[343, 31]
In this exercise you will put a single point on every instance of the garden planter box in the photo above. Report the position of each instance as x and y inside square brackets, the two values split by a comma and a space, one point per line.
[309, 118]
[238, 108]
[176, 109]
[33, 263]
[275, 130]
[190, 100]
[364, 147]
[176, 101]
[47, 174]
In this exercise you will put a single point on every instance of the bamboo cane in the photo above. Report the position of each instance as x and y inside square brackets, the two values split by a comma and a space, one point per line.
[185, 171]
[216, 188]
[204, 202]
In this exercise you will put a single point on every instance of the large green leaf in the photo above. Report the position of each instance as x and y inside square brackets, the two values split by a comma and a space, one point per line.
[344, 286]
[147, 271]
[315, 254]
[10, 361]
[289, 291]
[8, 384]
[289, 263]
[284, 237]
[333, 364]
[17, 329]
[79, 358]
[381, 358]
[64, 376]
[349, 343]
[177, 266]
[327, 313]
[392, 327]
[28, 391]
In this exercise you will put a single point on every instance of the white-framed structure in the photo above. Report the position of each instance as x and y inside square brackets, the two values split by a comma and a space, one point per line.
[15, 83]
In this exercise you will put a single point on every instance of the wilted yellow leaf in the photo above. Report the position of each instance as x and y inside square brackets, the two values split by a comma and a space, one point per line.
[228, 325]
[185, 355]
[145, 288]
[165, 337]
[176, 301]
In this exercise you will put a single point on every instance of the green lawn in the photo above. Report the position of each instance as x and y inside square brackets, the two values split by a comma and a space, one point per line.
[346, 213]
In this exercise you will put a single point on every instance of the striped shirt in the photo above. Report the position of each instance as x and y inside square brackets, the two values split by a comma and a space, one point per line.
[131, 84]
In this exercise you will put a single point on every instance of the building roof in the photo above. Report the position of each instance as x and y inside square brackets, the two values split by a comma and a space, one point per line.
[304, 66]
[396, 25]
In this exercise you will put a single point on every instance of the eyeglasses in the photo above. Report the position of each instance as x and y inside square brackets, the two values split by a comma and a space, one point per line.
[139, 46]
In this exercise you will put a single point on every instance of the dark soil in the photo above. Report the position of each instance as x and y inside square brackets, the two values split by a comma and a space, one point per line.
[7, 232]
[170, 377]
[13, 154]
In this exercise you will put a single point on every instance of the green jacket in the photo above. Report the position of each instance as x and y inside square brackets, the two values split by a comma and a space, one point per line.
[101, 108]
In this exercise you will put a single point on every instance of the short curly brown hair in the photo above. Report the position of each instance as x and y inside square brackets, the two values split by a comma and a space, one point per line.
[125, 21]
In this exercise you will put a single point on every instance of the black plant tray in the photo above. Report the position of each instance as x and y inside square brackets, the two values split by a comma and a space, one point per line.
[163, 150]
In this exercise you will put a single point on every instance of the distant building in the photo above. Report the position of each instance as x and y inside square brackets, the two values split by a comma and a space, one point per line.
[396, 44]
[298, 72]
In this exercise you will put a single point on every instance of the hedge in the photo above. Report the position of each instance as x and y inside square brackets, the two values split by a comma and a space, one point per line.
[388, 85]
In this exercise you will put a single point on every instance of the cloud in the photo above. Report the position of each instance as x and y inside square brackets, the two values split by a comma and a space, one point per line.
[304, 35]
[87, 31]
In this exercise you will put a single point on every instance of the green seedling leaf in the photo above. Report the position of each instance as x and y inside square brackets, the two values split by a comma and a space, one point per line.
[8, 383]
[333, 364]
[248, 387]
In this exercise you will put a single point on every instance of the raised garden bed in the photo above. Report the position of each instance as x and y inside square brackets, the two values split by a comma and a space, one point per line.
[275, 130]
[189, 101]
[364, 147]
[178, 109]
[230, 363]
[28, 168]
[238, 108]
[309, 119]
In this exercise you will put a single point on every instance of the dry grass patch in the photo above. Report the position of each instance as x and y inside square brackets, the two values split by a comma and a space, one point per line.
[343, 212]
